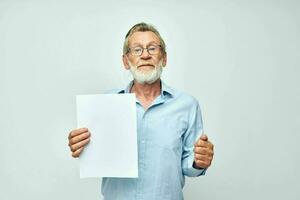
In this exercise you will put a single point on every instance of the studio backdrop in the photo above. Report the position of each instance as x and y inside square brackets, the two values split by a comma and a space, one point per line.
[239, 59]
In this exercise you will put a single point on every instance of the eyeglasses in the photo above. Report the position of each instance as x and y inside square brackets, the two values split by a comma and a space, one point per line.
[138, 51]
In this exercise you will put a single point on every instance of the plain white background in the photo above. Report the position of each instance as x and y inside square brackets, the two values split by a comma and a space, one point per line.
[240, 59]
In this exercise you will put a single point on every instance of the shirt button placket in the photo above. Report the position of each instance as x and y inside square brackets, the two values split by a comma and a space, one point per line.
[142, 157]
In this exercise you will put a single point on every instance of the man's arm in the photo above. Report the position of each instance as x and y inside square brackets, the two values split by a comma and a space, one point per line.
[196, 156]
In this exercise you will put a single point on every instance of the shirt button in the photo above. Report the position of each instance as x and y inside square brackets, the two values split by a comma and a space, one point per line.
[143, 141]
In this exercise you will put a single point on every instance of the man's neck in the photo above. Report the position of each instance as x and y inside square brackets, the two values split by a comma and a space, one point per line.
[146, 92]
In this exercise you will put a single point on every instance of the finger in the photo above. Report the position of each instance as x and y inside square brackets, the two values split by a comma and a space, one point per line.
[200, 157]
[206, 144]
[210, 145]
[204, 137]
[79, 138]
[77, 152]
[202, 150]
[205, 158]
[202, 143]
[79, 144]
[202, 164]
[75, 132]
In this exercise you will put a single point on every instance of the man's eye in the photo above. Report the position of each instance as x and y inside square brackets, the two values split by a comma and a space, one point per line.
[151, 48]
[137, 49]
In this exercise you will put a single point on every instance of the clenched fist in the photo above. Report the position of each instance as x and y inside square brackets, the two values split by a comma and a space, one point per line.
[78, 138]
[204, 152]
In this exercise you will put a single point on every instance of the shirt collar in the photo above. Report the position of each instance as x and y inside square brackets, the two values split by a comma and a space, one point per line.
[165, 89]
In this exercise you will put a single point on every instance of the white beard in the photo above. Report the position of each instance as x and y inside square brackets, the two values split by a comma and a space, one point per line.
[146, 77]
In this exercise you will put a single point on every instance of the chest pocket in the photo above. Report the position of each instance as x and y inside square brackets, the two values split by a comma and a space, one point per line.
[166, 133]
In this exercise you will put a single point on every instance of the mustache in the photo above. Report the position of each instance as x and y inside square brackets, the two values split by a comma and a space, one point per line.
[160, 64]
[146, 64]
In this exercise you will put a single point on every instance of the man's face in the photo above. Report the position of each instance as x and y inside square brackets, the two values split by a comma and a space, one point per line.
[144, 67]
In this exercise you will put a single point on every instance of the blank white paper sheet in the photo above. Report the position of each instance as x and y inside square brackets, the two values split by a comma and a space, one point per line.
[111, 120]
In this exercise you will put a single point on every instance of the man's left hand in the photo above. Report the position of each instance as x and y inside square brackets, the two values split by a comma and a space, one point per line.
[204, 152]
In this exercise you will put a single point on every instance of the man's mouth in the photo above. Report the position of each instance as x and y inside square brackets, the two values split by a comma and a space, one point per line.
[144, 65]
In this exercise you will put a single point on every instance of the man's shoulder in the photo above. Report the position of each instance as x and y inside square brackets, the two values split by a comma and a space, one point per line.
[184, 97]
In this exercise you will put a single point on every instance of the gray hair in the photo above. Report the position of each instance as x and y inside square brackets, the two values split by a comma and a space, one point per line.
[143, 27]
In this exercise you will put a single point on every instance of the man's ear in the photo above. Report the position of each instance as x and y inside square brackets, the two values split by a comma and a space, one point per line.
[125, 62]
[165, 60]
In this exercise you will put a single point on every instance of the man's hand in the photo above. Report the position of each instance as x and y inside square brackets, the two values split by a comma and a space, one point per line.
[78, 138]
[204, 152]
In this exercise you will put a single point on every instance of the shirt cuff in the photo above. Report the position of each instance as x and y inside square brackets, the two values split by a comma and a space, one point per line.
[193, 172]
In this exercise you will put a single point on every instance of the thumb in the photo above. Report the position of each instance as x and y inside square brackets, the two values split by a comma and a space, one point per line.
[204, 137]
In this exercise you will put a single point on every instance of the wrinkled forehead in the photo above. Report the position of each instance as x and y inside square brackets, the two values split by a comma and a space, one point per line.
[143, 38]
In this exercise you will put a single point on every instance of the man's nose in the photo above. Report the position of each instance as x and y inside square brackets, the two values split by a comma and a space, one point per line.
[145, 54]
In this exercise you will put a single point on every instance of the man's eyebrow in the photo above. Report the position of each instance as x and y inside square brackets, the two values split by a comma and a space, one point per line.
[154, 42]
[150, 43]
[136, 44]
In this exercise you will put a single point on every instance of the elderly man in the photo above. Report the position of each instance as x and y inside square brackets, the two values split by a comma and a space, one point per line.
[171, 144]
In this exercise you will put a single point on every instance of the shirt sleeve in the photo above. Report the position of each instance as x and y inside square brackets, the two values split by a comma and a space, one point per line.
[193, 132]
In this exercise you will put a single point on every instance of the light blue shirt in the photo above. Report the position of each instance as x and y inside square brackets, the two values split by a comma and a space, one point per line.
[166, 134]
